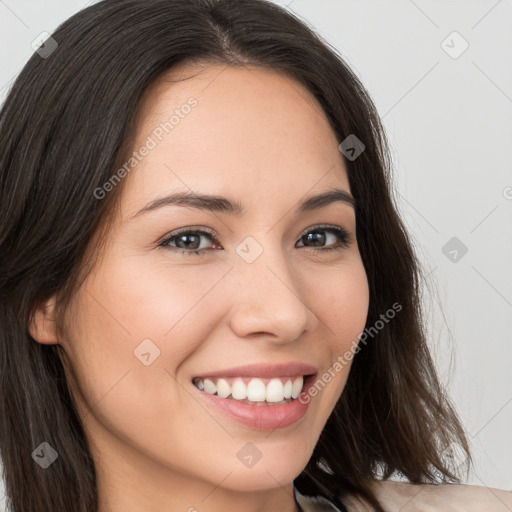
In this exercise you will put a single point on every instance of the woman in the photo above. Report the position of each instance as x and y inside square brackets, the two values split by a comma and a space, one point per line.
[208, 299]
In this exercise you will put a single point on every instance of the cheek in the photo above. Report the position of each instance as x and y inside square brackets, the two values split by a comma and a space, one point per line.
[139, 320]
[341, 301]
[125, 320]
[341, 305]
[137, 301]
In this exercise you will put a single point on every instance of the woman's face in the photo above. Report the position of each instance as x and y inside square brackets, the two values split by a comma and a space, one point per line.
[153, 316]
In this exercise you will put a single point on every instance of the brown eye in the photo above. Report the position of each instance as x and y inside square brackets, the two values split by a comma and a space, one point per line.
[188, 241]
[318, 238]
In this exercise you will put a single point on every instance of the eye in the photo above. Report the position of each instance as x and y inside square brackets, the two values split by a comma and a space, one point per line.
[318, 238]
[188, 240]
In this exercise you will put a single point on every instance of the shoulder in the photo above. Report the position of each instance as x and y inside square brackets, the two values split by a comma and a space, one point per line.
[408, 497]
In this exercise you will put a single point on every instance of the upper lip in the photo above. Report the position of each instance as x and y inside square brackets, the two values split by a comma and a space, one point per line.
[264, 370]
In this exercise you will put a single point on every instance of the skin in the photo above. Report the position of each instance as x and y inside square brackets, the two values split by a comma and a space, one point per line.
[260, 138]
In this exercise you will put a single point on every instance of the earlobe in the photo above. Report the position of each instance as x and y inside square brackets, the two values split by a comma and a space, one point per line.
[42, 326]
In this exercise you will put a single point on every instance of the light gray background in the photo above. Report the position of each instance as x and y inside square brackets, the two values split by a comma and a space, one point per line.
[449, 121]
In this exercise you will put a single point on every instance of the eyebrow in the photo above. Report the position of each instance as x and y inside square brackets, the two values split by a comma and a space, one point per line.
[221, 204]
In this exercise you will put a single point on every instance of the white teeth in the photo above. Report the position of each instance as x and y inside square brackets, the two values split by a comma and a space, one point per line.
[297, 387]
[238, 390]
[276, 391]
[256, 390]
[209, 386]
[223, 388]
[288, 389]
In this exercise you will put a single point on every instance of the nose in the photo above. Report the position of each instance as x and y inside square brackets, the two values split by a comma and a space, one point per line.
[268, 300]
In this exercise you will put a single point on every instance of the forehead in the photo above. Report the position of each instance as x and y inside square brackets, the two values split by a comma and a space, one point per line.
[241, 132]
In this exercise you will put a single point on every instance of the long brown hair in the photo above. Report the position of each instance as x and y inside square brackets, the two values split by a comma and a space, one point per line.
[65, 126]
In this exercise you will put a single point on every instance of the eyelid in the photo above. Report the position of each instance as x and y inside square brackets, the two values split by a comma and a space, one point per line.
[315, 227]
[188, 229]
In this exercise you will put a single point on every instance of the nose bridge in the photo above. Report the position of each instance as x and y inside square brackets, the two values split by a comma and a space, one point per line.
[266, 296]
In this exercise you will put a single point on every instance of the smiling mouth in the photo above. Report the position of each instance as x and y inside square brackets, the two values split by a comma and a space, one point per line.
[254, 391]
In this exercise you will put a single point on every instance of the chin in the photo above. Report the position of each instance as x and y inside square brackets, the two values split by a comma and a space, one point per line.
[274, 468]
[264, 478]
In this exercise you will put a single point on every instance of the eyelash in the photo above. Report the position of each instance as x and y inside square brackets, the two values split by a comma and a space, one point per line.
[342, 234]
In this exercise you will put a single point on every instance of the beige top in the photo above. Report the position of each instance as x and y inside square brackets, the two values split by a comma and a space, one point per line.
[406, 497]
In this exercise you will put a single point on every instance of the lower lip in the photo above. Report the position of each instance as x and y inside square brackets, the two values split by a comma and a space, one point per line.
[263, 417]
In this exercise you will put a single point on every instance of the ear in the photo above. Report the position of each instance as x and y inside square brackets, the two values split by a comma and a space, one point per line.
[42, 326]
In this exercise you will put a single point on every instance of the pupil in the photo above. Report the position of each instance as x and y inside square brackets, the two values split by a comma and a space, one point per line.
[188, 239]
[318, 237]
